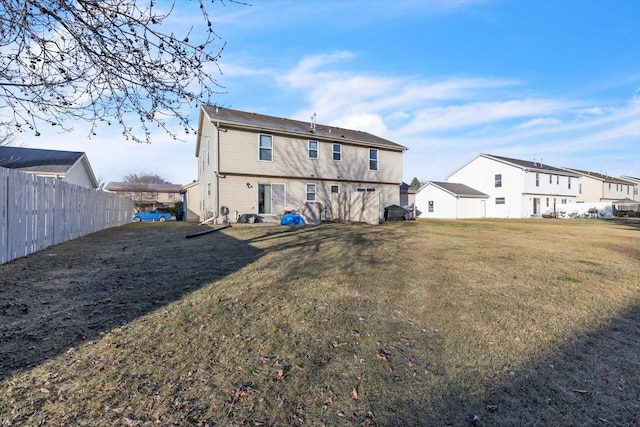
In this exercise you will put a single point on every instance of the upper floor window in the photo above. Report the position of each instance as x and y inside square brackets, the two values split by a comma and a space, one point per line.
[311, 192]
[313, 149]
[335, 188]
[365, 189]
[550, 179]
[266, 148]
[373, 159]
[557, 179]
[498, 180]
[337, 152]
[569, 182]
[171, 195]
[430, 205]
[537, 179]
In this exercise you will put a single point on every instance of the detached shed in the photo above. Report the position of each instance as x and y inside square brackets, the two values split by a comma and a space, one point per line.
[450, 200]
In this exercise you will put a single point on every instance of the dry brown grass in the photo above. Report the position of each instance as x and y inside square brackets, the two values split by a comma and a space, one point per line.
[492, 322]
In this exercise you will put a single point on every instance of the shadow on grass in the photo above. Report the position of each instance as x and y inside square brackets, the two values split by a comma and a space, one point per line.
[58, 298]
[593, 381]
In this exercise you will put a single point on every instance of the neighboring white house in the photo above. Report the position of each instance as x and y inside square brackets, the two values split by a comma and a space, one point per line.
[450, 200]
[257, 164]
[596, 187]
[518, 188]
[69, 166]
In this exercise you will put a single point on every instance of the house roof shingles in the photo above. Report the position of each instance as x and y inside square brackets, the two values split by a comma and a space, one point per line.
[143, 186]
[38, 160]
[459, 189]
[264, 122]
[533, 165]
[599, 176]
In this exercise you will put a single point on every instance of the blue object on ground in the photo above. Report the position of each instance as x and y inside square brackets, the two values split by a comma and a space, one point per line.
[291, 218]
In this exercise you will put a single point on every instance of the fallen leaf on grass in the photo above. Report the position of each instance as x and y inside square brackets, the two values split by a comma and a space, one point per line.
[354, 394]
[383, 354]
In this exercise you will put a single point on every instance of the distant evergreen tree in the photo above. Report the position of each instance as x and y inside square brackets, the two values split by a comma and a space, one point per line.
[415, 183]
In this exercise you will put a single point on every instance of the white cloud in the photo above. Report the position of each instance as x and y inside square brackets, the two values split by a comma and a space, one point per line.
[461, 116]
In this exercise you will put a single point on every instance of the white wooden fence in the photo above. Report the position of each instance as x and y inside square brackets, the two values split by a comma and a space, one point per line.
[37, 212]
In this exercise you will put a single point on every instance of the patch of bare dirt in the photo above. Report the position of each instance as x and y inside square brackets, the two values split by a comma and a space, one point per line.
[60, 297]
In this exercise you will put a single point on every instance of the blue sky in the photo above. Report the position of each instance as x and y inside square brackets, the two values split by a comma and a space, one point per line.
[551, 80]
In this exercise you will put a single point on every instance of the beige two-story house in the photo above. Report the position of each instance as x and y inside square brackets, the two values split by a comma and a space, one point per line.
[258, 164]
[147, 195]
[597, 187]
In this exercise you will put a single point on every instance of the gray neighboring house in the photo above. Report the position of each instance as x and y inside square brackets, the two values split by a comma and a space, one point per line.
[69, 166]
[450, 200]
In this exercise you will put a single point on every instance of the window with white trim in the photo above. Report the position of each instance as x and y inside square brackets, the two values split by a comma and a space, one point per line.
[313, 149]
[537, 179]
[311, 192]
[569, 182]
[335, 189]
[498, 180]
[266, 148]
[500, 201]
[430, 205]
[337, 152]
[373, 159]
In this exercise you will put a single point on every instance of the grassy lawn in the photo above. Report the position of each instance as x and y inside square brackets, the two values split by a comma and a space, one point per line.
[492, 322]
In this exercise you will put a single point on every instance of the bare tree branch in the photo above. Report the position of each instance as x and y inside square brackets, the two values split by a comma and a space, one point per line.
[103, 61]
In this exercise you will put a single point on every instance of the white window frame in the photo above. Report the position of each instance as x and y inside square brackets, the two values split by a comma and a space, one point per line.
[500, 201]
[314, 192]
[336, 186]
[430, 205]
[498, 180]
[260, 147]
[316, 150]
[372, 159]
[338, 152]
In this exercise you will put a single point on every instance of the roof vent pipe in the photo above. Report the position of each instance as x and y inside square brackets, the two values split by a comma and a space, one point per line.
[313, 122]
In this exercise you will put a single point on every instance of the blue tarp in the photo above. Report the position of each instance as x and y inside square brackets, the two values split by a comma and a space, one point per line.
[291, 218]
